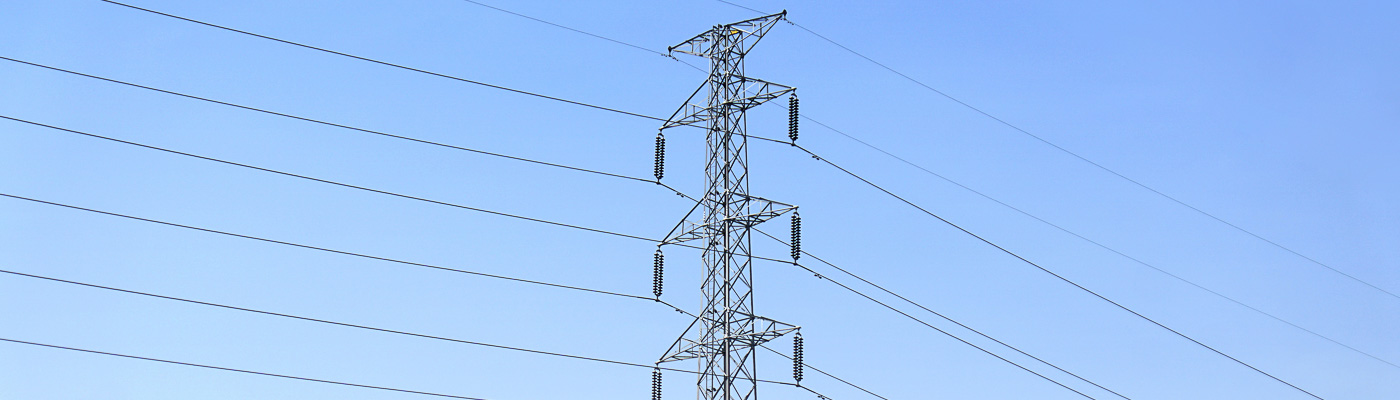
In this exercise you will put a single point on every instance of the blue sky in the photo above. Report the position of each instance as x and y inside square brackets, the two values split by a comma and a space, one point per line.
[1276, 116]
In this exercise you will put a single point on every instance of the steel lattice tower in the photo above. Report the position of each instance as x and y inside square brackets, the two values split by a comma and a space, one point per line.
[728, 329]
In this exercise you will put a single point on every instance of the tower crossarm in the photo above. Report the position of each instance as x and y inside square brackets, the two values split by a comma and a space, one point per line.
[765, 210]
[757, 92]
[764, 330]
[740, 32]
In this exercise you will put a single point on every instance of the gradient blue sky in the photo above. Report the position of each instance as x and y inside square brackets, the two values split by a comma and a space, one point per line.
[1277, 116]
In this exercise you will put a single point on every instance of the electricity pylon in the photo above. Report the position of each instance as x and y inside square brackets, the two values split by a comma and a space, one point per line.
[728, 330]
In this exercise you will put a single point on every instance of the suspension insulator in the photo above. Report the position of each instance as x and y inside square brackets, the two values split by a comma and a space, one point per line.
[657, 271]
[792, 118]
[656, 384]
[796, 236]
[797, 357]
[660, 166]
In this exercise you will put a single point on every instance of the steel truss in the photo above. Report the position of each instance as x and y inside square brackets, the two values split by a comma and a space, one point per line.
[728, 329]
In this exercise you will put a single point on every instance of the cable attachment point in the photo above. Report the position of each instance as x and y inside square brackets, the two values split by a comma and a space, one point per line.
[656, 383]
[792, 118]
[660, 166]
[797, 357]
[657, 270]
[796, 236]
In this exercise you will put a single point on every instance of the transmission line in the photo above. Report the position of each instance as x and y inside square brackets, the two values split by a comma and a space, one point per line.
[384, 134]
[1081, 158]
[361, 255]
[368, 189]
[375, 191]
[322, 122]
[214, 101]
[1090, 241]
[940, 315]
[364, 327]
[779, 141]
[324, 249]
[820, 276]
[867, 297]
[493, 86]
[240, 370]
[568, 28]
[578, 169]
[964, 187]
[1112, 250]
[1004, 204]
[464, 207]
[400, 66]
[514, 90]
[329, 181]
[389, 64]
[964, 341]
[585, 33]
[574, 102]
[383, 192]
[1058, 276]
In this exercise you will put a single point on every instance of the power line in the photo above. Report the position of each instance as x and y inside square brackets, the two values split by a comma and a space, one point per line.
[331, 182]
[414, 70]
[979, 193]
[373, 190]
[515, 279]
[422, 71]
[697, 201]
[322, 122]
[586, 33]
[1062, 278]
[804, 364]
[390, 135]
[384, 192]
[820, 276]
[544, 163]
[916, 319]
[946, 318]
[470, 150]
[964, 341]
[1084, 159]
[361, 255]
[454, 205]
[388, 63]
[969, 189]
[741, 6]
[357, 326]
[1086, 239]
[568, 28]
[574, 102]
[343, 126]
[913, 318]
[324, 249]
[240, 370]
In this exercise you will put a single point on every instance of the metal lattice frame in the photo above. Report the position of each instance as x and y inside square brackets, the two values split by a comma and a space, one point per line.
[729, 329]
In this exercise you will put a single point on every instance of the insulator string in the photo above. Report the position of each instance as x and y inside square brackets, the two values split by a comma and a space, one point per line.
[796, 236]
[659, 169]
[792, 118]
[657, 272]
[797, 357]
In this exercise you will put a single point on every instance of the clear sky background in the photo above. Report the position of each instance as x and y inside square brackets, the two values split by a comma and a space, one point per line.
[1279, 117]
